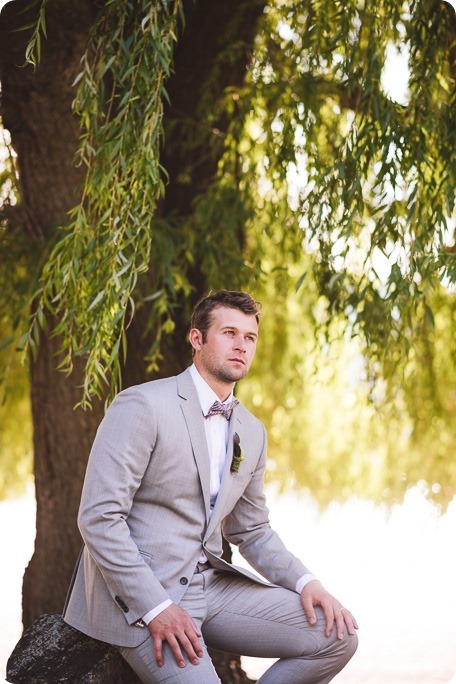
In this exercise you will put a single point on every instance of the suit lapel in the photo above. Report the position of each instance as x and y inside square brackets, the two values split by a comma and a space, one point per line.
[225, 485]
[193, 415]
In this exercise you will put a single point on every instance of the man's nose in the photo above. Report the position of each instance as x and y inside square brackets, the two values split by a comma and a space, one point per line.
[239, 343]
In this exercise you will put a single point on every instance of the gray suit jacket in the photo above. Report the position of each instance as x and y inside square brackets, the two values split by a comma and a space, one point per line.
[144, 513]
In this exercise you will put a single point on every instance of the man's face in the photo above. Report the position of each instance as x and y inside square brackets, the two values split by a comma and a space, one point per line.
[228, 350]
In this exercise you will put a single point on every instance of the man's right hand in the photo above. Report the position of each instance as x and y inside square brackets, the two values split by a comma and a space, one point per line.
[175, 626]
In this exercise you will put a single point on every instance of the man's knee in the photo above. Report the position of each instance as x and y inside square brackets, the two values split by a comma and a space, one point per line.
[350, 643]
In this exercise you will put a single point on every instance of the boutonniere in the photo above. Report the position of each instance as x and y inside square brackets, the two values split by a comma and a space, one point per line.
[238, 456]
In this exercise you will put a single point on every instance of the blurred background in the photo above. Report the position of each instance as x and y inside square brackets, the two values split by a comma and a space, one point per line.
[303, 150]
[394, 568]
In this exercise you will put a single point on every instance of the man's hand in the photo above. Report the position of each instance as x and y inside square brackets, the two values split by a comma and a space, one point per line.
[175, 626]
[314, 594]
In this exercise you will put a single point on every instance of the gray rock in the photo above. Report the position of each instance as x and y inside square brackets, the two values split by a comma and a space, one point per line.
[51, 651]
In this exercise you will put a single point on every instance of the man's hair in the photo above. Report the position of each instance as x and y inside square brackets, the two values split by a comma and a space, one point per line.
[202, 313]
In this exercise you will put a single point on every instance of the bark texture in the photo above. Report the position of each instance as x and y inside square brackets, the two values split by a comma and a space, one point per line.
[36, 109]
[52, 651]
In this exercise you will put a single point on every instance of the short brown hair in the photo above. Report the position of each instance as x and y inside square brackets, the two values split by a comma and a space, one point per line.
[202, 313]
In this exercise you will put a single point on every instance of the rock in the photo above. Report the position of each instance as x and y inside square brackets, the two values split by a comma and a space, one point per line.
[51, 651]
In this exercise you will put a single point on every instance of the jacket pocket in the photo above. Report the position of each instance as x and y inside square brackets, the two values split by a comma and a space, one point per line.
[147, 557]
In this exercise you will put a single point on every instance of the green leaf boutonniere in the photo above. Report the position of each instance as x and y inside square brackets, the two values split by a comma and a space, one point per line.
[238, 456]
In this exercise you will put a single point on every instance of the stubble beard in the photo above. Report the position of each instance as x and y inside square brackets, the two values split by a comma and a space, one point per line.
[226, 375]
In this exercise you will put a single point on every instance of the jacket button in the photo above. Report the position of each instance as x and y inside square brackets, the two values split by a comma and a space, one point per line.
[183, 580]
[122, 604]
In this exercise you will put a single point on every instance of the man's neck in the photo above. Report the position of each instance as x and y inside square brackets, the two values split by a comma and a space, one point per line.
[222, 389]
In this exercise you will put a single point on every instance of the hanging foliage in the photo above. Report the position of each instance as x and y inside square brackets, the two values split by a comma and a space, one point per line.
[372, 200]
[91, 273]
[332, 196]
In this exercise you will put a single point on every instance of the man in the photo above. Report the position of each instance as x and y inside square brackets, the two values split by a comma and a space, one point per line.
[167, 476]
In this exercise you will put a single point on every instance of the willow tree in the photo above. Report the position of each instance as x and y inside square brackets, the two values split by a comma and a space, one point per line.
[165, 148]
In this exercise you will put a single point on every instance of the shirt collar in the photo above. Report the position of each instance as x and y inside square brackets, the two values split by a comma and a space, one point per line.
[206, 394]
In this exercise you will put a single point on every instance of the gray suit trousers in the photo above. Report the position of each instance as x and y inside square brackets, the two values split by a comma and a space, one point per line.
[238, 616]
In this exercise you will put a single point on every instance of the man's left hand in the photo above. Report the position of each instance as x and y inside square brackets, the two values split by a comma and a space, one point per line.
[314, 594]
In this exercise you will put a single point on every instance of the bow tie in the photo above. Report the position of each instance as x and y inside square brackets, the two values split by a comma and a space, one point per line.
[218, 409]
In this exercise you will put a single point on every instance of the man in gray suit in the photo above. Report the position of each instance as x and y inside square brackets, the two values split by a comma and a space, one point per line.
[176, 464]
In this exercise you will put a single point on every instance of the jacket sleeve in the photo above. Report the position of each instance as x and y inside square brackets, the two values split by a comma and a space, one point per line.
[120, 454]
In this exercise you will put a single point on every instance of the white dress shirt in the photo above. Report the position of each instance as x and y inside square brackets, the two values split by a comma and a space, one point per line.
[216, 434]
[216, 428]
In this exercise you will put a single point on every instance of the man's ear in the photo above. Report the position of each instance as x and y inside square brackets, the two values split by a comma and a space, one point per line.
[196, 339]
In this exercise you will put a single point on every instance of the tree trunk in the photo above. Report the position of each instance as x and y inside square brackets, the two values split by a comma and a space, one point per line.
[62, 441]
[36, 109]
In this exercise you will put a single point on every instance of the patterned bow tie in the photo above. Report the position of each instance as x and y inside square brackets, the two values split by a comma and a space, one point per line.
[222, 409]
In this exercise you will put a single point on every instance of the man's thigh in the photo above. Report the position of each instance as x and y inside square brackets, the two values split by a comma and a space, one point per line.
[142, 660]
[255, 620]
[142, 657]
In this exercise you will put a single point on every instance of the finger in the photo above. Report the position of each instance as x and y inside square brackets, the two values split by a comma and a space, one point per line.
[158, 652]
[307, 604]
[350, 621]
[174, 645]
[195, 627]
[192, 648]
[329, 617]
[196, 644]
[339, 618]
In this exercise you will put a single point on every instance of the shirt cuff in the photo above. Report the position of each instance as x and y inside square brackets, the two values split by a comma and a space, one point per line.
[148, 617]
[302, 581]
